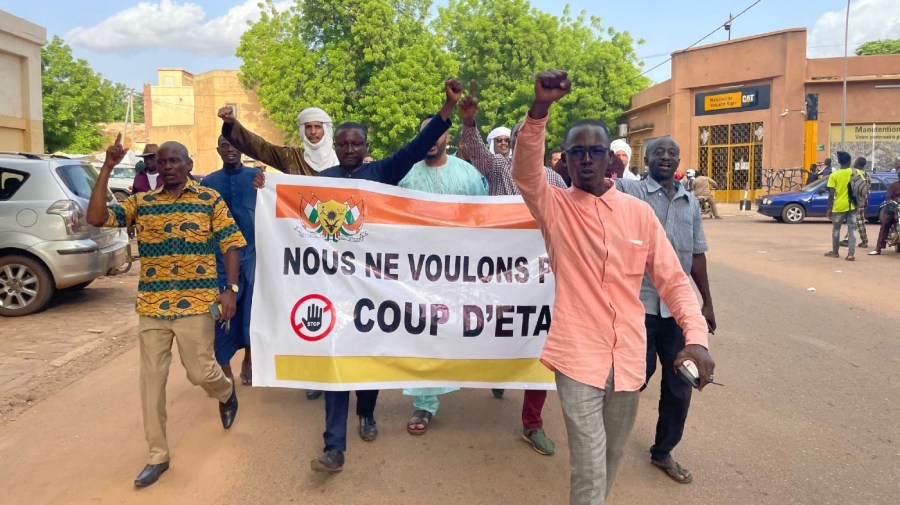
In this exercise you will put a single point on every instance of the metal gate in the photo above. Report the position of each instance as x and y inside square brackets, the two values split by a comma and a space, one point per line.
[732, 156]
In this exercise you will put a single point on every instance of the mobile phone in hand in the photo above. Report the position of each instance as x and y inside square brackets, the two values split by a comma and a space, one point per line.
[689, 373]
[215, 310]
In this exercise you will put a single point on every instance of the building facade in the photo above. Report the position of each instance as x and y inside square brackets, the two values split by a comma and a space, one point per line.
[183, 107]
[752, 113]
[21, 107]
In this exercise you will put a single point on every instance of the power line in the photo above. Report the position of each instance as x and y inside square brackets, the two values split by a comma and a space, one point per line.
[708, 35]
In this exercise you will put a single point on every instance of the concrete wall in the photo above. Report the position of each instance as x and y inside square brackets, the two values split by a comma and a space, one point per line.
[21, 107]
[192, 120]
[172, 99]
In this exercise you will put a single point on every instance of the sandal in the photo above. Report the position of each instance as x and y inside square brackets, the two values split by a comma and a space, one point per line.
[675, 471]
[246, 373]
[419, 418]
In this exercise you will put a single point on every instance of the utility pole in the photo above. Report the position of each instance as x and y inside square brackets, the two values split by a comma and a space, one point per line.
[844, 95]
[728, 26]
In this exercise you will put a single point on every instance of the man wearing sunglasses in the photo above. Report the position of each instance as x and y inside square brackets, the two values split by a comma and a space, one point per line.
[679, 213]
[600, 242]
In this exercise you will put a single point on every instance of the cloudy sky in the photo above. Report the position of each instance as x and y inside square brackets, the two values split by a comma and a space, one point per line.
[127, 40]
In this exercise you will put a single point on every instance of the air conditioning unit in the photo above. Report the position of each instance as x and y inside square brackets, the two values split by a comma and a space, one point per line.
[623, 130]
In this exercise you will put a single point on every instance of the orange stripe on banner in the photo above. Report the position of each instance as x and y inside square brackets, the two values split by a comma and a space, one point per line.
[389, 209]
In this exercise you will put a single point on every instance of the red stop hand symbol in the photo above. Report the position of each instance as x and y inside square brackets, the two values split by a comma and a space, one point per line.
[313, 317]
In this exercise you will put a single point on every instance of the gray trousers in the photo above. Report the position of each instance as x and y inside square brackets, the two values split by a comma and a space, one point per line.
[598, 423]
[837, 219]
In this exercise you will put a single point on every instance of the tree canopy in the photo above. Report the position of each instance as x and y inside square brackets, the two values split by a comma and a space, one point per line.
[886, 46]
[382, 63]
[76, 99]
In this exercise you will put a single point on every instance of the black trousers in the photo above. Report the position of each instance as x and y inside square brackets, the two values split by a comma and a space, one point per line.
[665, 340]
[337, 406]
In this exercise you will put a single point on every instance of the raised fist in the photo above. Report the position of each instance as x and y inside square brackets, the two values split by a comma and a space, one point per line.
[453, 89]
[227, 114]
[551, 86]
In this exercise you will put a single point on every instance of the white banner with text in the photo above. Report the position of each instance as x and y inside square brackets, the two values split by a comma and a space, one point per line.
[361, 285]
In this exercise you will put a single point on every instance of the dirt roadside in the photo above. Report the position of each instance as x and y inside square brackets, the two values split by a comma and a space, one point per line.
[42, 353]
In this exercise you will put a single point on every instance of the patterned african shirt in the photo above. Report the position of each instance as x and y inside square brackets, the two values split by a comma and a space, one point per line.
[176, 241]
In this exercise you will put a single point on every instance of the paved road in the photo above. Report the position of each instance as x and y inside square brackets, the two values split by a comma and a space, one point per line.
[808, 414]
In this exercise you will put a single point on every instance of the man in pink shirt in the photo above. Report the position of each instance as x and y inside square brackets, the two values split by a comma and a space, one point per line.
[599, 241]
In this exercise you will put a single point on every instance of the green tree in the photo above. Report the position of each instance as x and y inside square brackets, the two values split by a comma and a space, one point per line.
[382, 62]
[75, 99]
[886, 46]
[504, 44]
[372, 61]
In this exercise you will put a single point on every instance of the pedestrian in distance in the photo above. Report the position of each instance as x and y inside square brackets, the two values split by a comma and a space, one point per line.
[841, 209]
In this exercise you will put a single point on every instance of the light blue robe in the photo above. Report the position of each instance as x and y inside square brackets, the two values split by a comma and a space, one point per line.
[455, 177]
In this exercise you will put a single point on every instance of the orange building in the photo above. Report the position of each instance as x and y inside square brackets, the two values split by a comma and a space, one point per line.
[183, 107]
[752, 112]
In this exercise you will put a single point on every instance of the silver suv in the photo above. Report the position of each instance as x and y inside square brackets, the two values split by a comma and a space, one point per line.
[45, 241]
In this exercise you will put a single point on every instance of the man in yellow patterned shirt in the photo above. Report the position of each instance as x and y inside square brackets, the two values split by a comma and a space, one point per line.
[178, 227]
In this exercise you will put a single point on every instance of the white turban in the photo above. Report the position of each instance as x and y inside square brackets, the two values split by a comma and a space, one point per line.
[621, 145]
[320, 155]
[500, 131]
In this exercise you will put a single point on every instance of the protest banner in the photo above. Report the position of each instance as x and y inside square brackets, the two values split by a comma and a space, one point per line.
[361, 285]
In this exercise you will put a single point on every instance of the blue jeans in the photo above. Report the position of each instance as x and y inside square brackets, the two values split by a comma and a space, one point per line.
[837, 219]
[337, 406]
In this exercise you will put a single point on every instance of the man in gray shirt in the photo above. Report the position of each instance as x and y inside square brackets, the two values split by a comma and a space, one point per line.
[679, 213]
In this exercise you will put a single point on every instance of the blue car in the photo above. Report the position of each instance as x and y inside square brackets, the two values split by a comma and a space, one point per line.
[812, 200]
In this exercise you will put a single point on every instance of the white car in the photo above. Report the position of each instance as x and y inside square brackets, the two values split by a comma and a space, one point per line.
[46, 244]
[121, 180]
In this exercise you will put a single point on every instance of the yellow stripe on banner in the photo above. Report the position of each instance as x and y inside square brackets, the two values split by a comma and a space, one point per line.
[361, 369]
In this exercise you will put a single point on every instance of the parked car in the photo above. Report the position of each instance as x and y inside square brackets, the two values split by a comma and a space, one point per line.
[812, 201]
[120, 181]
[46, 243]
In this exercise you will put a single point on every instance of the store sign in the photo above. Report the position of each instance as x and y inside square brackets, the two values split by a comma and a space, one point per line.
[879, 143]
[750, 98]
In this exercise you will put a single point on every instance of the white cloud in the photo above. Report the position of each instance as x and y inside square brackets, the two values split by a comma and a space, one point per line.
[168, 24]
[869, 20]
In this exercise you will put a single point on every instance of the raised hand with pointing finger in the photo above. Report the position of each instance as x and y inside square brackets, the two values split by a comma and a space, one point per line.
[114, 153]
[468, 106]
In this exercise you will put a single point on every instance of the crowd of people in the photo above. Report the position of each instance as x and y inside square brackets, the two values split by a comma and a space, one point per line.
[623, 250]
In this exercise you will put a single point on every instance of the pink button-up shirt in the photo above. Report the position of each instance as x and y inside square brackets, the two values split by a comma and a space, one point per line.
[599, 249]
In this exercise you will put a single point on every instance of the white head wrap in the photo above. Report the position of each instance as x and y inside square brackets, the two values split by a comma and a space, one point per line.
[321, 155]
[500, 131]
[621, 145]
